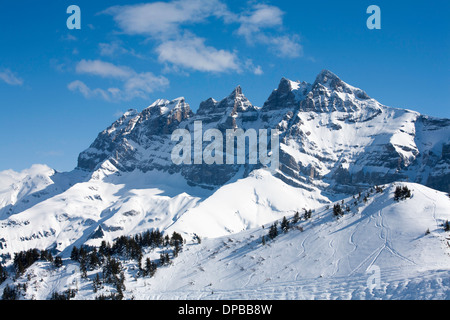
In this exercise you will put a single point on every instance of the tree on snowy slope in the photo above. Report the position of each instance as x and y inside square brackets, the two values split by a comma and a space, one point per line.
[402, 193]
[285, 225]
[3, 274]
[273, 232]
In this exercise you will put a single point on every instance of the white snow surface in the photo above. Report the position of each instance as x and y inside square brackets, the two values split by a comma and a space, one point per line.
[130, 203]
[328, 259]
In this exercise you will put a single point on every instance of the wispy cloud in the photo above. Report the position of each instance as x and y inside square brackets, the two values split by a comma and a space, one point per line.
[257, 26]
[168, 24]
[133, 84]
[116, 48]
[163, 19]
[103, 69]
[192, 53]
[10, 78]
[260, 17]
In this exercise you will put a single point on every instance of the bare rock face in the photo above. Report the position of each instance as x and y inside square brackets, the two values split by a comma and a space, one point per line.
[333, 136]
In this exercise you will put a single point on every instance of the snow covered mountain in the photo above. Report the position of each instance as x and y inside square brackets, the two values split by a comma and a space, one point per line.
[377, 249]
[335, 141]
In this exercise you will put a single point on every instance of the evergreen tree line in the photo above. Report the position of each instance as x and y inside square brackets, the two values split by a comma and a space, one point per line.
[286, 225]
[66, 295]
[25, 259]
[10, 293]
[125, 247]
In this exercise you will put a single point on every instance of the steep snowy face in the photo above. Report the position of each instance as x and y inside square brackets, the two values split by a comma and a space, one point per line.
[143, 140]
[16, 186]
[333, 137]
[341, 140]
[126, 141]
[227, 113]
[22, 190]
[331, 94]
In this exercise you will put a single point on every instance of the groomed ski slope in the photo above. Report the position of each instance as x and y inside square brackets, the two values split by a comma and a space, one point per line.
[329, 259]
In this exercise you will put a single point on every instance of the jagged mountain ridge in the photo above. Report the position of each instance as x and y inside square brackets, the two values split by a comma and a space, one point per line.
[334, 136]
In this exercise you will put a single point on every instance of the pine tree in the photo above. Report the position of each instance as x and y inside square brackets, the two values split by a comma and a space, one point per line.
[273, 232]
[3, 274]
[285, 225]
[97, 284]
[58, 262]
[406, 193]
[337, 210]
[308, 214]
[296, 217]
[150, 268]
[402, 193]
[397, 193]
[162, 259]
[176, 249]
[447, 226]
[94, 261]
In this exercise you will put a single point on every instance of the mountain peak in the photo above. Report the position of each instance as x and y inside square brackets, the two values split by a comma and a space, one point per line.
[325, 77]
[236, 92]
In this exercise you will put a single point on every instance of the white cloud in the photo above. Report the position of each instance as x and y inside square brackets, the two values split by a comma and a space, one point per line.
[79, 86]
[163, 19]
[254, 26]
[262, 17]
[257, 70]
[283, 46]
[168, 24]
[10, 78]
[192, 53]
[135, 85]
[143, 83]
[103, 69]
[116, 48]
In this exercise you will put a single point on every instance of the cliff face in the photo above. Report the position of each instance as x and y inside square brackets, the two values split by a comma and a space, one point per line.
[333, 136]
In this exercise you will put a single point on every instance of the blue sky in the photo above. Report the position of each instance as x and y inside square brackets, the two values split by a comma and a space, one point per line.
[59, 88]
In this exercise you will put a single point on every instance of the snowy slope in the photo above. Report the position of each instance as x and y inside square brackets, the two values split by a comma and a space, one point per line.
[22, 190]
[17, 185]
[130, 203]
[329, 259]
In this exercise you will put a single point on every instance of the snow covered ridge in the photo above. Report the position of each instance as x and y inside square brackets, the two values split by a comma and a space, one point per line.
[328, 254]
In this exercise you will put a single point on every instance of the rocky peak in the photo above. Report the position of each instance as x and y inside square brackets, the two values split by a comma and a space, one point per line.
[329, 93]
[326, 77]
[328, 81]
[206, 106]
[234, 103]
[287, 96]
